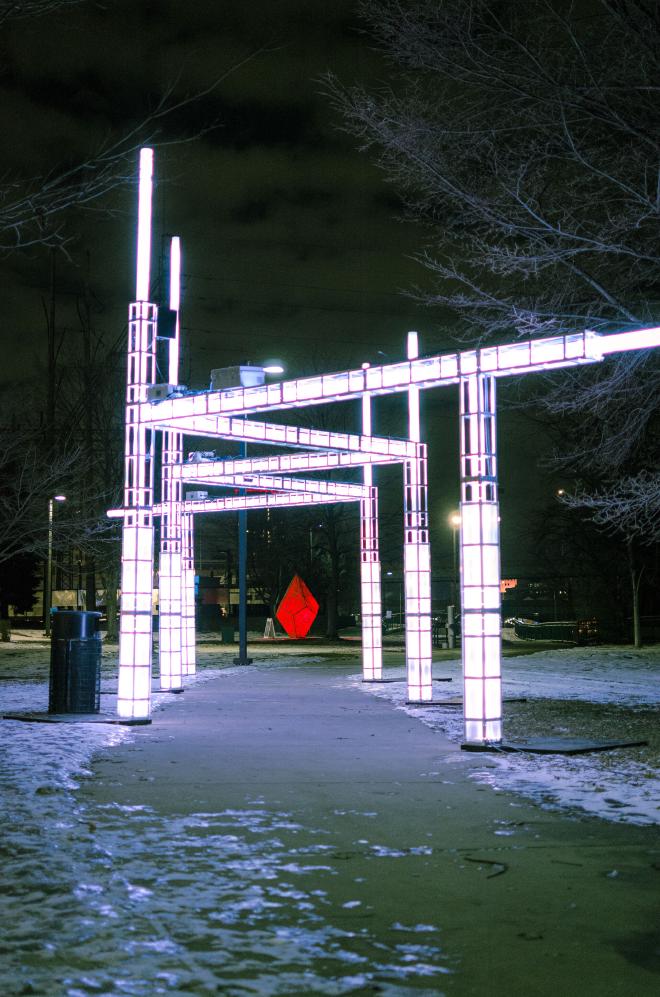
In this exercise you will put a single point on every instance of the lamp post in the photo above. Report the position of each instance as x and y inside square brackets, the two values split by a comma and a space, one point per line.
[454, 522]
[49, 563]
[250, 376]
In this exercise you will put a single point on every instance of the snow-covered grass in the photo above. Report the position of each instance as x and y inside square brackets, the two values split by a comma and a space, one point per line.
[606, 693]
[601, 692]
[120, 900]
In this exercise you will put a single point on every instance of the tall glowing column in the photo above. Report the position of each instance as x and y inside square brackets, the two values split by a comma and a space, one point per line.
[370, 592]
[135, 626]
[480, 561]
[188, 593]
[170, 568]
[417, 556]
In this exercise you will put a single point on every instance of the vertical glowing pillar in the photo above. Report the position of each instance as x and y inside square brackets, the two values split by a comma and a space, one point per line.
[135, 627]
[188, 593]
[417, 557]
[170, 564]
[370, 592]
[480, 561]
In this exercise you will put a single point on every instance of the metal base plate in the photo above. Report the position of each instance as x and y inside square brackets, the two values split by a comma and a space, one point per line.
[456, 701]
[552, 745]
[382, 681]
[76, 718]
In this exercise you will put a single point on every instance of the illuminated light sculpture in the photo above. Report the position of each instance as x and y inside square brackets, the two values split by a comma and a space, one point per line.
[417, 556]
[227, 414]
[298, 609]
[170, 578]
[135, 630]
[480, 561]
[371, 611]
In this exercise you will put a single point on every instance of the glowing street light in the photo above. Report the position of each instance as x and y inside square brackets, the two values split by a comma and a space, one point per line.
[455, 523]
[49, 564]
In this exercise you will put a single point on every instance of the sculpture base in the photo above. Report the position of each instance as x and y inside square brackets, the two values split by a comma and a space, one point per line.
[77, 718]
[550, 745]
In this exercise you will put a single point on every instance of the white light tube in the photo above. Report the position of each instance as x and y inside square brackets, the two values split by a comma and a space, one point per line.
[144, 225]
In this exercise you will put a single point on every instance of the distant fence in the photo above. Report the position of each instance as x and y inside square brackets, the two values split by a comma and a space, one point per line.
[569, 631]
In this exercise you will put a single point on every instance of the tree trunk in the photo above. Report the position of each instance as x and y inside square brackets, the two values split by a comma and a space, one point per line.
[331, 630]
[111, 604]
[635, 579]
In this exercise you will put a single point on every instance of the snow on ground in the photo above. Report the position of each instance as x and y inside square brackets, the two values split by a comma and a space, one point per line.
[607, 693]
[122, 901]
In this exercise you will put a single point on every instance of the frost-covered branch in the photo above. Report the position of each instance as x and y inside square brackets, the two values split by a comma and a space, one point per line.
[630, 508]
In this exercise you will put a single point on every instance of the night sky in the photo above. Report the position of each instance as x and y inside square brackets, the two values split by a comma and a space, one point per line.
[292, 244]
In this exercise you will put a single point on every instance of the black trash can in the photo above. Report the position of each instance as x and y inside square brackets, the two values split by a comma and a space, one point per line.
[75, 662]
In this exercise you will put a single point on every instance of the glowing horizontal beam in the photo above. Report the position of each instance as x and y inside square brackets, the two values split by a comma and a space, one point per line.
[340, 489]
[180, 415]
[284, 463]
[423, 372]
[274, 500]
[637, 339]
[264, 500]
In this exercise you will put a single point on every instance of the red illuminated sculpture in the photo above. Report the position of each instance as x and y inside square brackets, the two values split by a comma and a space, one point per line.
[297, 610]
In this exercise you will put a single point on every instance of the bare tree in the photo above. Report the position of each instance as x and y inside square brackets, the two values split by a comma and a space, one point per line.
[33, 208]
[20, 10]
[524, 139]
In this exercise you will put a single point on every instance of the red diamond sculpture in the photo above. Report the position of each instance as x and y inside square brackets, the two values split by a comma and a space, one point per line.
[297, 610]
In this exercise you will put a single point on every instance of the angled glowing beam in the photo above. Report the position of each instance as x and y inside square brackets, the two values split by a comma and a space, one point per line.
[421, 372]
[284, 463]
[144, 225]
[637, 339]
[233, 503]
[277, 500]
[224, 428]
[341, 489]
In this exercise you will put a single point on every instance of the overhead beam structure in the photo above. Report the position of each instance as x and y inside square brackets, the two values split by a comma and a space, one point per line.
[228, 414]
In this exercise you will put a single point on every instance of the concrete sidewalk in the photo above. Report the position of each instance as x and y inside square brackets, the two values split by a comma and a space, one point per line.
[521, 901]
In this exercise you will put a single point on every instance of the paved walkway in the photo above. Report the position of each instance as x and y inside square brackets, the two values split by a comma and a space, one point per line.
[525, 902]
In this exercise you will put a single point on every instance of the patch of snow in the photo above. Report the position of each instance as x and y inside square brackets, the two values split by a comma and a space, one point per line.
[612, 785]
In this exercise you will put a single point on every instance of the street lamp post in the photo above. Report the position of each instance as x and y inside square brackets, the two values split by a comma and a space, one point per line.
[249, 376]
[455, 522]
[242, 658]
[49, 563]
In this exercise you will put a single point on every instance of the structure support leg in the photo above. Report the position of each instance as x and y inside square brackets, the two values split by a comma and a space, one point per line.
[480, 562]
[188, 593]
[417, 580]
[370, 594]
[135, 623]
[371, 609]
[170, 574]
